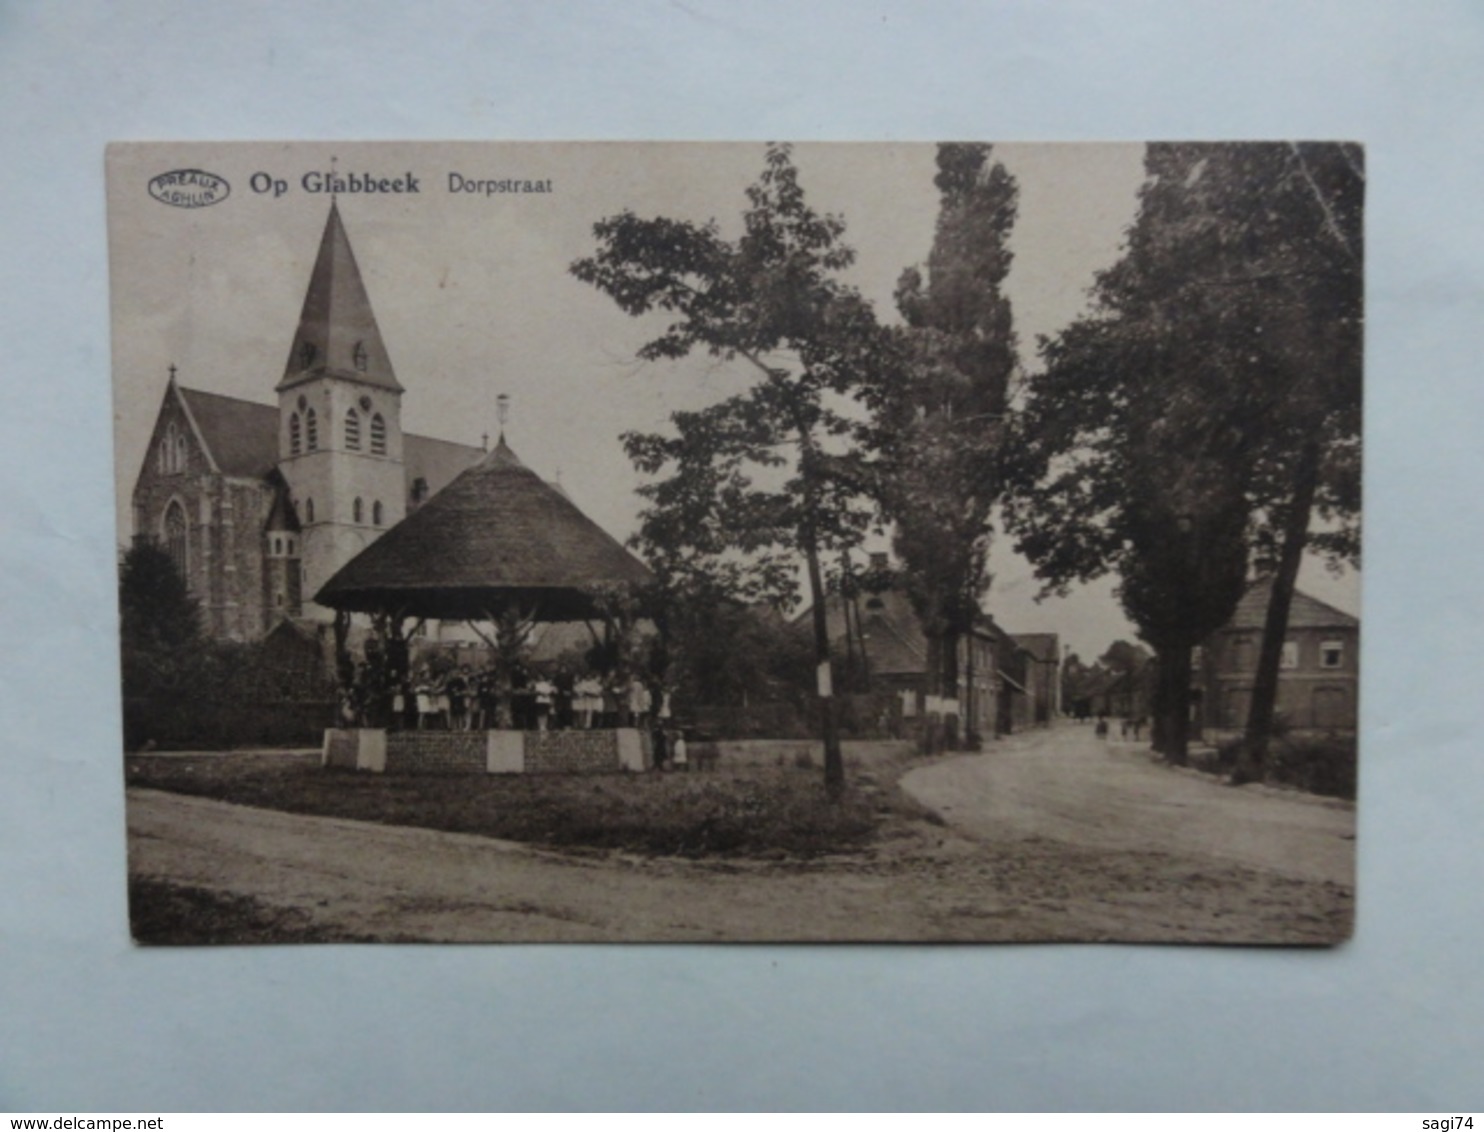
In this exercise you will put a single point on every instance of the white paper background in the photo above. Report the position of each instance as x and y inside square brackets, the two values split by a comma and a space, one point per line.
[1391, 1021]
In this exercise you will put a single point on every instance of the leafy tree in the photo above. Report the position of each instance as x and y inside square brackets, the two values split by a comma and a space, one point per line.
[939, 410]
[1310, 271]
[159, 622]
[767, 474]
[1176, 424]
[1135, 448]
[1124, 656]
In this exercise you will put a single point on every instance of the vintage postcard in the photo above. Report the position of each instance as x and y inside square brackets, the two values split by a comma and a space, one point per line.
[685, 542]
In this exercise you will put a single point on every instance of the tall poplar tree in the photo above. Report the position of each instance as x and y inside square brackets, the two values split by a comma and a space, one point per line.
[939, 410]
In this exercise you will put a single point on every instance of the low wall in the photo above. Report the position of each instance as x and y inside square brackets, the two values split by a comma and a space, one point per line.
[354, 748]
[571, 752]
[487, 752]
[435, 752]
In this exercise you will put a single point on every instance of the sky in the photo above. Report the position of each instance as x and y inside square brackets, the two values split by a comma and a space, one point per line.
[473, 295]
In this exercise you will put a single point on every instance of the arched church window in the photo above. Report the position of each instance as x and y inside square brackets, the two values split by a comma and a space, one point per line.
[357, 510]
[378, 435]
[180, 452]
[296, 440]
[376, 513]
[165, 457]
[175, 537]
[309, 511]
[311, 430]
[352, 430]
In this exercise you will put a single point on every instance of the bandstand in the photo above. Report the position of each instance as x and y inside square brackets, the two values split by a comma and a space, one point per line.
[501, 550]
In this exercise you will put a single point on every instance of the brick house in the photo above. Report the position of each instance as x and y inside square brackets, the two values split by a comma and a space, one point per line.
[1319, 676]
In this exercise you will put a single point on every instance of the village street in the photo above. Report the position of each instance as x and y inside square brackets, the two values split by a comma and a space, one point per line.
[1049, 835]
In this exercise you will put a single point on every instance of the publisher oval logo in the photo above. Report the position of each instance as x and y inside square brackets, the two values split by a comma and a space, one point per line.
[189, 188]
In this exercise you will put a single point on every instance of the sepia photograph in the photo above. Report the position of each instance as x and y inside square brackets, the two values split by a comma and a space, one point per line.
[688, 542]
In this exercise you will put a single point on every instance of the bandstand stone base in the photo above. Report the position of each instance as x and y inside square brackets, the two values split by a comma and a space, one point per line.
[486, 752]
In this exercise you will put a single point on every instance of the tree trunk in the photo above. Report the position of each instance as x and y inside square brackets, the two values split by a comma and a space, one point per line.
[948, 687]
[834, 762]
[1159, 724]
[972, 738]
[1174, 706]
[1252, 759]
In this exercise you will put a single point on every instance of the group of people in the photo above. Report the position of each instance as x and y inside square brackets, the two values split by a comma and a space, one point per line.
[464, 699]
[1130, 727]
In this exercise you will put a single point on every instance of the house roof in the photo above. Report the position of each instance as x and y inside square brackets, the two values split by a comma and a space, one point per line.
[1305, 613]
[242, 437]
[337, 332]
[895, 642]
[498, 535]
[1043, 646]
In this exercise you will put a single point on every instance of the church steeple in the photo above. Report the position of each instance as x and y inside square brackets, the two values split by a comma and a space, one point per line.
[338, 335]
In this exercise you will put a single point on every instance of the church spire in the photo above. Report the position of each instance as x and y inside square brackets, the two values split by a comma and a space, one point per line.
[337, 334]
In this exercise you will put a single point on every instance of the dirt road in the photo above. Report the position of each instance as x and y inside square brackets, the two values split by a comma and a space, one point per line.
[1067, 785]
[1050, 836]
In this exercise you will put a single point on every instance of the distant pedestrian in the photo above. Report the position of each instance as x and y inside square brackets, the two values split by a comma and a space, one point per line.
[1102, 727]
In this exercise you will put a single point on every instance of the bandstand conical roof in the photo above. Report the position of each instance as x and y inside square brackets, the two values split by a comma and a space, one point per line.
[497, 536]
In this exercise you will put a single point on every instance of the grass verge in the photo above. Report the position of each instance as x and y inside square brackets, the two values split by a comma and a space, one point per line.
[762, 810]
[161, 912]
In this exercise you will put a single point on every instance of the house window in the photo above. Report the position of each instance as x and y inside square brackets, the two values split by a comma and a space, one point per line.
[1290, 657]
[295, 439]
[175, 537]
[378, 435]
[1332, 654]
[311, 430]
[376, 513]
[353, 431]
[356, 511]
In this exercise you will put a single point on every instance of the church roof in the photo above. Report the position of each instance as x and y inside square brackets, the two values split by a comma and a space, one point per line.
[1305, 613]
[242, 437]
[337, 332]
[497, 535]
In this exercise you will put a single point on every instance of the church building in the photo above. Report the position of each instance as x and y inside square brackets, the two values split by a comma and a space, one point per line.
[261, 504]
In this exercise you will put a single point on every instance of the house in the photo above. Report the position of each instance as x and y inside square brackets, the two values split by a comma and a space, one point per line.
[1042, 673]
[998, 677]
[1318, 677]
